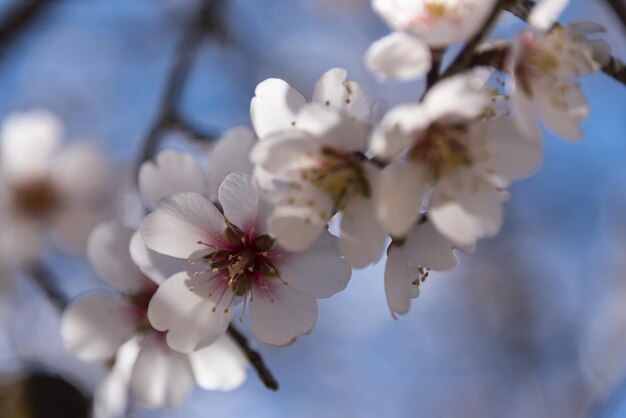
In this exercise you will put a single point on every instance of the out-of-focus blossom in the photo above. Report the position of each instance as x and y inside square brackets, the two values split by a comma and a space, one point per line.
[320, 168]
[176, 172]
[47, 187]
[545, 13]
[421, 26]
[544, 66]
[409, 261]
[102, 326]
[452, 157]
[234, 258]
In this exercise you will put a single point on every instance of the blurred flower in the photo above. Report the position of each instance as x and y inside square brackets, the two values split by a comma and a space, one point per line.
[544, 66]
[545, 13]
[97, 326]
[46, 187]
[419, 27]
[237, 260]
[453, 158]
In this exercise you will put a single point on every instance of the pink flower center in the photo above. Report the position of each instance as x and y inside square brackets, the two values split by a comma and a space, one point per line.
[139, 301]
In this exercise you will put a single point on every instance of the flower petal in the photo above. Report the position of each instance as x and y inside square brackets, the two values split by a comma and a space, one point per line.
[230, 154]
[400, 197]
[239, 197]
[281, 313]
[362, 238]
[161, 377]
[334, 90]
[399, 289]
[295, 227]
[274, 106]
[400, 56]
[319, 271]
[95, 326]
[546, 13]
[425, 246]
[171, 172]
[563, 106]
[458, 98]
[332, 128]
[156, 266]
[180, 223]
[108, 252]
[220, 366]
[192, 321]
[399, 129]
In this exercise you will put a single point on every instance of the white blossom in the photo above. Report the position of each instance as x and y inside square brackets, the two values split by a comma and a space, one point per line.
[233, 258]
[46, 187]
[453, 162]
[101, 326]
[320, 167]
[421, 26]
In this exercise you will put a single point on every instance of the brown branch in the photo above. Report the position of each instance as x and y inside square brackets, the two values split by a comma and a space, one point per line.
[520, 8]
[619, 7]
[18, 17]
[206, 21]
[254, 358]
[464, 59]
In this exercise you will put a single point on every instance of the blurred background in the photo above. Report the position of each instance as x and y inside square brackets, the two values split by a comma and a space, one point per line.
[531, 325]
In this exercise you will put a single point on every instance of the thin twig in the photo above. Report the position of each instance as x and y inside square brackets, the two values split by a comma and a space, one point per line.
[434, 74]
[615, 68]
[206, 22]
[19, 16]
[45, 278]
[619, 7]
[254, 358]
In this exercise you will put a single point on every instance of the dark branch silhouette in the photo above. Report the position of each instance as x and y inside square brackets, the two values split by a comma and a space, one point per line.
[254, 358]
[18, 17]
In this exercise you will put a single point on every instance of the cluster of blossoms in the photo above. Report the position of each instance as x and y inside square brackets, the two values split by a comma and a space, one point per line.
[251, 234]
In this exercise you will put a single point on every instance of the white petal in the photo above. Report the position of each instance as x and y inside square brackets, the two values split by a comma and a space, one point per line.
[546, 13]
[319, 271]
[563, 106]
[29, 140]
[239, 197]
[286, 153]
[400, 196]
[109, 255]
[82, 174]
[156, 266]
[161, 377]
[362, 238]
[399, 129]
[171, 172]
[458, 98]
[295, 228]
[191, 320]
[281, 313]
[398, 282]
[274, 106]
[525, 116]
[466, 208]
[72, 227]
[220, 366]
[400, 56]
[180, 222]
[425, 246]
[332, 128]
[334, 90]
[230, 154]
[95, 326]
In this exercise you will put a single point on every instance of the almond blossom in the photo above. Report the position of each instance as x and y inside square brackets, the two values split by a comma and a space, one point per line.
[421, 26]
[102, 326]
[454, 163]
[234, 258]
[321, 169]
[410, 260]
[544, 66]
[46, 187]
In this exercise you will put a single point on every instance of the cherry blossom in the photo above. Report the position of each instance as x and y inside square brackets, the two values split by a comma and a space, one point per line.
[46, 187]
[321, 169]
[544, 66]
[233, 258]
[421, 26]
[101, 326]
[454, 163]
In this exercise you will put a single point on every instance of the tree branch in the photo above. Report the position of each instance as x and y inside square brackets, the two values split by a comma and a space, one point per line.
[206, 22]
[464, 59]
[19, 16]
[45, 278]
[254, 358]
